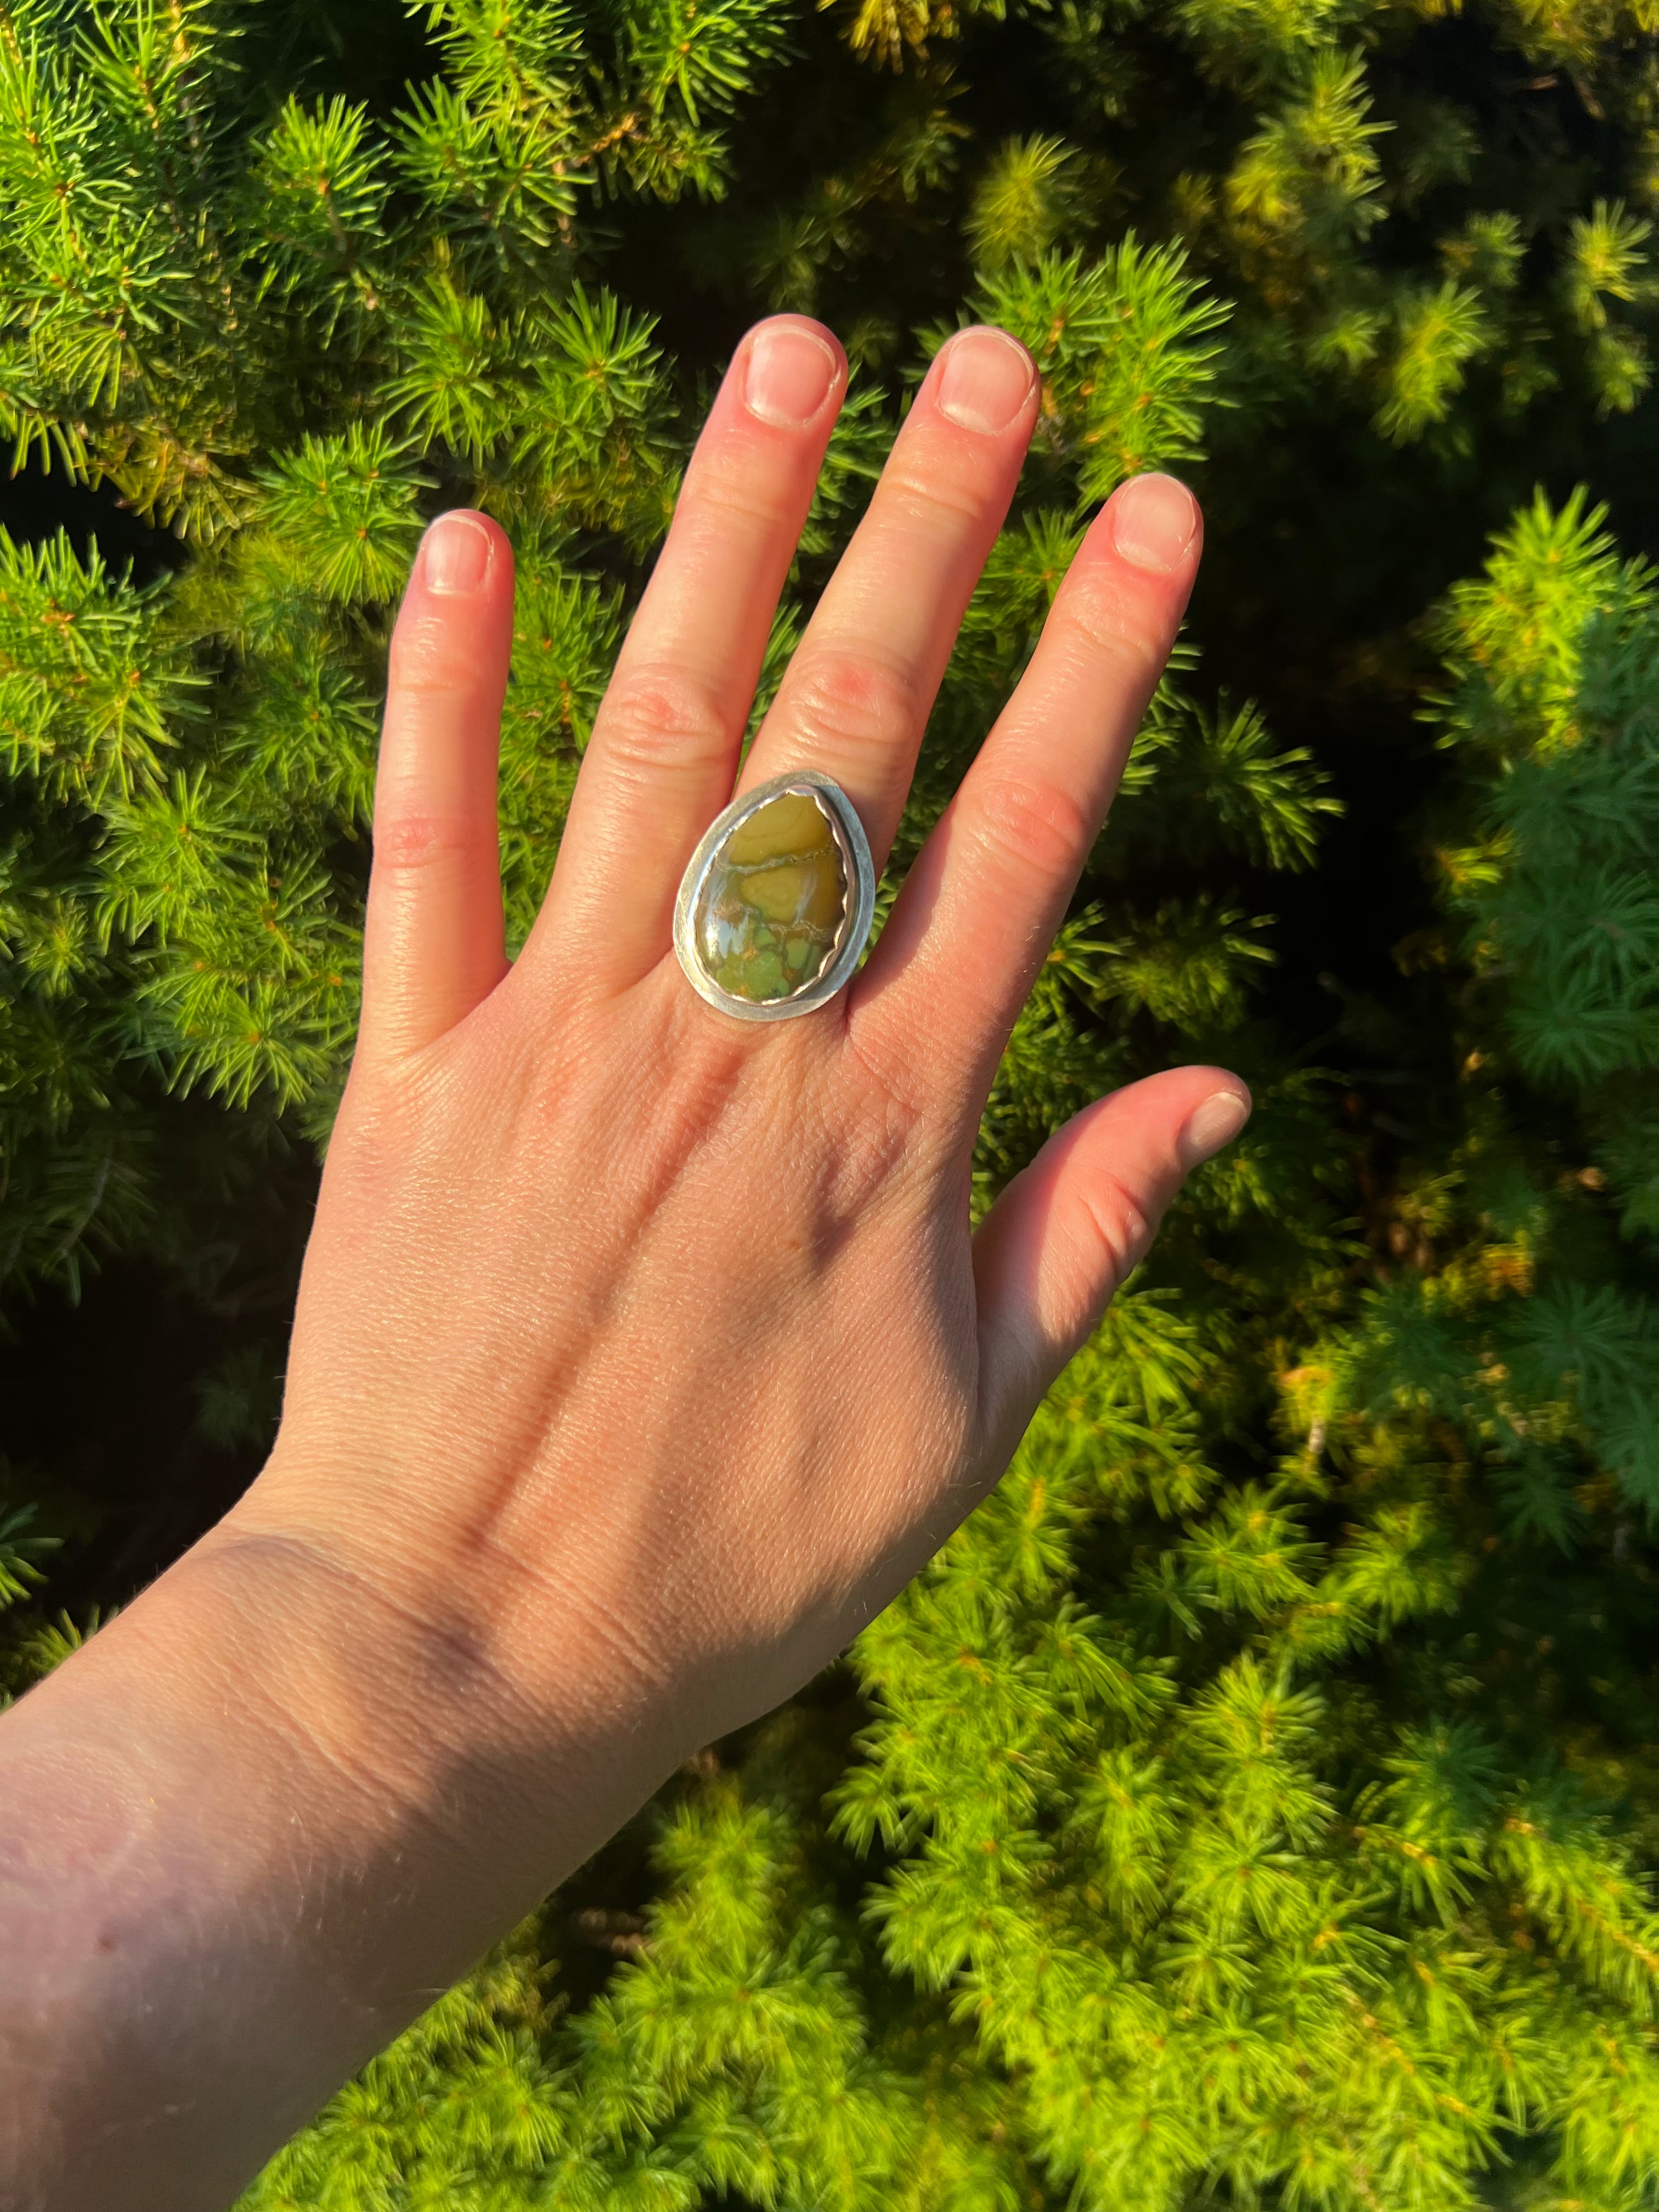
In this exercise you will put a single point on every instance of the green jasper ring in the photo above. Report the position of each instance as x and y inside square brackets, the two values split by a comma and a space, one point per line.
[776, 905]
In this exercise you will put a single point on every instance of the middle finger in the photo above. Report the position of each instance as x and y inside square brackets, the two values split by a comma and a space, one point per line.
[860, 688]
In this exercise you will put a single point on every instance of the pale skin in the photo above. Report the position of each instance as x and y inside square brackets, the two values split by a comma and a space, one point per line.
[642, 1355]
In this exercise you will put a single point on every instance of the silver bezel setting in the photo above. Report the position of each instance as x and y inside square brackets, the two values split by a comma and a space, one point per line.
[860, 912]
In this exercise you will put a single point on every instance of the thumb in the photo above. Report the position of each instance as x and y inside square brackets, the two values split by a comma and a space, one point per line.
[1068, 1228]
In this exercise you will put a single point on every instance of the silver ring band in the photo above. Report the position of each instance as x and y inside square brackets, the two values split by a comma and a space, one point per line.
[773, 924]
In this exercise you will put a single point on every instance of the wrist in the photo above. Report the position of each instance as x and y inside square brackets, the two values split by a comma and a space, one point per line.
[195, 1890]
[402, 1644]
[250, 1831]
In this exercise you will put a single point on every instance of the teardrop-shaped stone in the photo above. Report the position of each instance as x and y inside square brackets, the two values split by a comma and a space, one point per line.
[773, 901]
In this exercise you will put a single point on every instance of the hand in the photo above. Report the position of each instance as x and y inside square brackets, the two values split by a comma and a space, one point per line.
[643, 1354]
[663, 1336]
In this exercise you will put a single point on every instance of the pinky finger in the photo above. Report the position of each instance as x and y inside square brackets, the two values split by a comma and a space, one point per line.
[1067, 1231]
[433, 945]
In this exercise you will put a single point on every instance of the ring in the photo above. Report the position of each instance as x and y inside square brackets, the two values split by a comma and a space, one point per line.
[775, 906]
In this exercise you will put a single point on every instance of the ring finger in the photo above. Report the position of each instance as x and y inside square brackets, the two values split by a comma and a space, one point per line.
[860, 686]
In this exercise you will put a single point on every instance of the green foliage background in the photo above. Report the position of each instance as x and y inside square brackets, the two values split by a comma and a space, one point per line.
[1258, 1802]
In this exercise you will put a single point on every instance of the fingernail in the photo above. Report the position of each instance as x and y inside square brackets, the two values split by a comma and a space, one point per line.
[986, 380]
[1154, 520]
[1212, 1124]
[456, 555]
[788, 374]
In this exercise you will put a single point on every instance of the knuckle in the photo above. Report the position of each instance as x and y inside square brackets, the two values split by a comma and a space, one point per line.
[939, 509]
[896, 1098]
[659, 717]
[1118, 1224]
[430, 653]
[378, 1127]
[849, 699]
[1116, 626]
[1033, 825]
[733, 488]
[409, 844]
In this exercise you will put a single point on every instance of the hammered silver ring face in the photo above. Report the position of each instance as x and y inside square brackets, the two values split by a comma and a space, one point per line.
[773, 915]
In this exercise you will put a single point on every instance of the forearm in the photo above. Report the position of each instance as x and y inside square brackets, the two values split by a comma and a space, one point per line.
[240, 1849]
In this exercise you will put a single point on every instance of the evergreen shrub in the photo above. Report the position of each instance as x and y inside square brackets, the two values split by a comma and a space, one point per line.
[1257, 1802]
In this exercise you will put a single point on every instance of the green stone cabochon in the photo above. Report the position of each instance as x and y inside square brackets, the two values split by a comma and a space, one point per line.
[773, 901]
